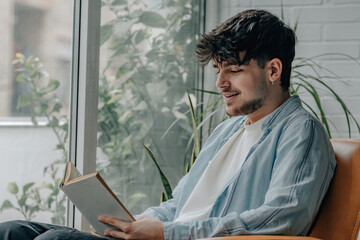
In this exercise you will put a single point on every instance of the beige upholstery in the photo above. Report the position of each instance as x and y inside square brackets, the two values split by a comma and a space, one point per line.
[339, 216]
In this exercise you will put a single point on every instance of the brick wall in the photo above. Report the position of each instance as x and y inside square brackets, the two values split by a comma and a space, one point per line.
[324, 26]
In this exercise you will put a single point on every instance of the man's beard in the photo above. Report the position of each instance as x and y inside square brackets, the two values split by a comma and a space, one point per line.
[254, 104]
[248, 107]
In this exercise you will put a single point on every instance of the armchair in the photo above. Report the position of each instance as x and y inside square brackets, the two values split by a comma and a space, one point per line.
[339, 215]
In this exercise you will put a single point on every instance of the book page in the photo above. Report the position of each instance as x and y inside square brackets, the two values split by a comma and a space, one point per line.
[74, 173]
[94, 199]
[70, 173]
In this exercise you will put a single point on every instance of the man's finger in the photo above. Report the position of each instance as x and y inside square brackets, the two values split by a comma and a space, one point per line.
[94, 231]
[115, 234]
[123, 226]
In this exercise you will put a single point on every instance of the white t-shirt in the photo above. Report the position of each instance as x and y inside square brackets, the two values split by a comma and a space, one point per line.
[218, 173]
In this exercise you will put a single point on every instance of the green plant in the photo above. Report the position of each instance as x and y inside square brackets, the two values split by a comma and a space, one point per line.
[167, 194]
[32, 200]
[43, 102]
[142, 90]
[166, 63]
[27, 209]
[315, 83]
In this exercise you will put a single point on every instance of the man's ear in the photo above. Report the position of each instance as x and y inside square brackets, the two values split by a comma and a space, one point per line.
[274, 69]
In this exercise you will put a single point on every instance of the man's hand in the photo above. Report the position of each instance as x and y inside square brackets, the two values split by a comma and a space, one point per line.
[143, 228]
[93, 232]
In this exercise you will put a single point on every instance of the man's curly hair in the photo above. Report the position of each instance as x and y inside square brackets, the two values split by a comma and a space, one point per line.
[258, 33]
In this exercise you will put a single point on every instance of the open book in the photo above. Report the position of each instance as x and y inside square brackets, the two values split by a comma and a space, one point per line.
[93, 197]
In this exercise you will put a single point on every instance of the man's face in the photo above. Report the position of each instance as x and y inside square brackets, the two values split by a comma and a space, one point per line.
[243, 87]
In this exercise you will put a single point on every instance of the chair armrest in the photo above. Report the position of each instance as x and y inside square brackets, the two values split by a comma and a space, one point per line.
[262, 237]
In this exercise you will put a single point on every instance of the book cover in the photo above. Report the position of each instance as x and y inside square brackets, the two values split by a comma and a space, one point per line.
[93, 197]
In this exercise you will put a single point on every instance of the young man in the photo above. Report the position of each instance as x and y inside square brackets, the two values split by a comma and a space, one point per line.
[263, 171]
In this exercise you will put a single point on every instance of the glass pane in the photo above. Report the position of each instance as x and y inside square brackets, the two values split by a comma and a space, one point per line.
[147, 65]
[35, 71]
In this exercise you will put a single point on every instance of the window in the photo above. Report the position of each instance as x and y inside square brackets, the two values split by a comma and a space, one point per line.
[35, 72]
[147, 66]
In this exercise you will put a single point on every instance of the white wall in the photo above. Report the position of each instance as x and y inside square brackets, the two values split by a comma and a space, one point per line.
[325, 26]
[25, 151]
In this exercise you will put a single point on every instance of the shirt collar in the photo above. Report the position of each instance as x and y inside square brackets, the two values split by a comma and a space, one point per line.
[281, 112]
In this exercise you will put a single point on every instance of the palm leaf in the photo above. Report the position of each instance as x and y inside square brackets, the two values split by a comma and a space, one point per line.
[339, 100]
[311, 89]
[319, 78]
[195, 130]
[164, 179]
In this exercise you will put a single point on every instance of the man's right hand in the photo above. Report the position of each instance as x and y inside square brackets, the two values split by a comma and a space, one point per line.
[93, 231]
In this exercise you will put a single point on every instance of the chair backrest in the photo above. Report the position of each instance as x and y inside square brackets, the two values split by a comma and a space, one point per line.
[339, 216]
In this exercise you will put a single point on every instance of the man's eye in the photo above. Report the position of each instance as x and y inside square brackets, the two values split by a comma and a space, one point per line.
[236, 71]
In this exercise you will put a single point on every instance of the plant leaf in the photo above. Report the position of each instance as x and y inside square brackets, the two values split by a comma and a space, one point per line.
[22, 200]
[152, 19]
[115, 98]
[140, 36]
[164, 179]
[195, 130]
[163, 197]
[57, 107]
[339, 100]
[33, 209]
[105, 33]
[52, 86]
[121, 28]
[20, 78]
[20, 56]
[13, 188]
[119, 2]
[6, 205]
[23, 101]
[311, 89]
[26, 187]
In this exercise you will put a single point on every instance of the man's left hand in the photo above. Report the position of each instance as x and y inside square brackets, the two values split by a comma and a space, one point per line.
[143, 228]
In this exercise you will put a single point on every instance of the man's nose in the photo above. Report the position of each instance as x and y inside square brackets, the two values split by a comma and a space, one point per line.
[222, 81]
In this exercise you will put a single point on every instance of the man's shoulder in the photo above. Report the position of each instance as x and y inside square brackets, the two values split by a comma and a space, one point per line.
[292, 113]
[301, 117]
[301, 122]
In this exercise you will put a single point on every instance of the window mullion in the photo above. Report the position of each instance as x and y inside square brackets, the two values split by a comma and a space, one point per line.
[84, 93]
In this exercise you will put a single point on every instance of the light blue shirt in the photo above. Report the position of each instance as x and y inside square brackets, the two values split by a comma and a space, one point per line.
[279, 188]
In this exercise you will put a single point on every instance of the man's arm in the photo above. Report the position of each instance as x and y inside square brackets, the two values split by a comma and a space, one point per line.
[165, 212]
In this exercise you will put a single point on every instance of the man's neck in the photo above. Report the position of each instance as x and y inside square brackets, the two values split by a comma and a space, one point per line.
[270, 104]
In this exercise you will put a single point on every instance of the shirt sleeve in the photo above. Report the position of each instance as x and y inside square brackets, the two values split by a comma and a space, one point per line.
[302, 170]
[165, 212]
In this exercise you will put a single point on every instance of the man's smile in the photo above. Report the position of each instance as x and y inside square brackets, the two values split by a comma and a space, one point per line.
[230, 94]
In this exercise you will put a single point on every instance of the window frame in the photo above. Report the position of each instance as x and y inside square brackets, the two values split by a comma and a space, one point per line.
[84, 91]
[84, 95]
